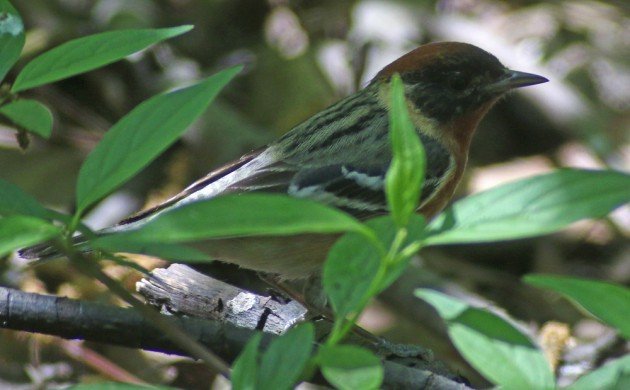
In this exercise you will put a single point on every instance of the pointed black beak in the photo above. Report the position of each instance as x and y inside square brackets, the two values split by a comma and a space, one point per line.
[515, 79]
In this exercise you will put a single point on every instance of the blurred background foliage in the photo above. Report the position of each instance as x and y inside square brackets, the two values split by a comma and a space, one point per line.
[301, 56]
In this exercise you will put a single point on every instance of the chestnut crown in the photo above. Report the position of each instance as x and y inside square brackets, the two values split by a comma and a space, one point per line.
[448, 79]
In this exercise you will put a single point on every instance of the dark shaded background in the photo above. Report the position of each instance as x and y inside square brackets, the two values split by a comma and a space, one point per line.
[302, 56]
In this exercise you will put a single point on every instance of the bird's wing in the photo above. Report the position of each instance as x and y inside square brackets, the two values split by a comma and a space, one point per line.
[355, 187]
[195, 187]
[354, 182]
[358, 189]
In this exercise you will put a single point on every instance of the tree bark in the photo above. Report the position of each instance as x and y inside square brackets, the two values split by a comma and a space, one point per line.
[217, 315]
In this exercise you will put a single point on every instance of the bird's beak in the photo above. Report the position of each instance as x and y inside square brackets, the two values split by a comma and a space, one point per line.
[515, 79]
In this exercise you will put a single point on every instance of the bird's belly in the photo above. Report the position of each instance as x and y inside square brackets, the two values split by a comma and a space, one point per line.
[290, 257]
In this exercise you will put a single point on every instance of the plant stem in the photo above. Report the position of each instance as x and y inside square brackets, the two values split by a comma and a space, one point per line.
[389, 259]
[342, 326]
[86, 265]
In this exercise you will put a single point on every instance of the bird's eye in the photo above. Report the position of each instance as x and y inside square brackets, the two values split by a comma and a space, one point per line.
[457, 81]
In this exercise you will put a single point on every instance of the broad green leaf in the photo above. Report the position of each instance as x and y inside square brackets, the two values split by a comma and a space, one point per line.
[237, 215]
[285, 359]
[87, 53]
[142, 135]
[415, 231]
[30, 115]
[349, 272]
[606, 301]
[11, 37]
[19, 231]
[166, 251]
[349, 367]
[498, 350]
[531, 207]
[15, 201]
[406, 172]
[245, 368]
[613, 375]
[352, 263]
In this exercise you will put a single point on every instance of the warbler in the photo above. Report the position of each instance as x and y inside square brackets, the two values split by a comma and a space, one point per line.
[340, 155]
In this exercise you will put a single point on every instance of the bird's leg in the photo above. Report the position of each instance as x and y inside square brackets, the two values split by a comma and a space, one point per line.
[310, 294]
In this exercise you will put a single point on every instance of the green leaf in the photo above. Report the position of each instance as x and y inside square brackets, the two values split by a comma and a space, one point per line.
[245, 368]
[531, 207]
[19, 231]
[606, 301]
[166, 251]
[415, 231]
[87, 53]
[30, 115]
[349, 271]
[406, 172]
[15, 201]
[237, 215]
[492, 345]
[285, 359]
[143, 134]
[349, 367]
[352, 263]
[11, 37]
[611, 376]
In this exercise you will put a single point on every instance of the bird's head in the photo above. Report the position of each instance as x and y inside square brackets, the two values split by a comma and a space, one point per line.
[447, 81]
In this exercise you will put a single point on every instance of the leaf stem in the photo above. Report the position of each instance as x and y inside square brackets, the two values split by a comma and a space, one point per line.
[86, 265]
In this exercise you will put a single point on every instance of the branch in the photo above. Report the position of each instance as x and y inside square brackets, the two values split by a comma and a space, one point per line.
[180, 289]
[73, 319]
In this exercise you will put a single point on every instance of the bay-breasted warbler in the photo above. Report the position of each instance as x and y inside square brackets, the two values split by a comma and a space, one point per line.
[340, 155]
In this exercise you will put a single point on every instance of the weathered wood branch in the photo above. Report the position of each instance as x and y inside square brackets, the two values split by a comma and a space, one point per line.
[217, 315]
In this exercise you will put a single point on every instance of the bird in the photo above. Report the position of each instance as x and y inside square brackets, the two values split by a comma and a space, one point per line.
[340, 155]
